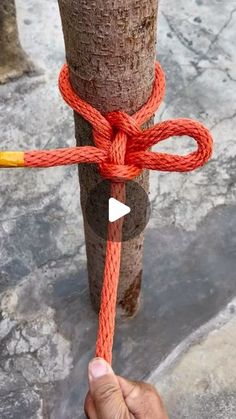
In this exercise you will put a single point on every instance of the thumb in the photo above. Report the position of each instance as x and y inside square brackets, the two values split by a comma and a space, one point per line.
[105, 390]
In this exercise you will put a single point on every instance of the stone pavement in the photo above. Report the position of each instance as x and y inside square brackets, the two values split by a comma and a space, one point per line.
[198, 379]
[47, 327]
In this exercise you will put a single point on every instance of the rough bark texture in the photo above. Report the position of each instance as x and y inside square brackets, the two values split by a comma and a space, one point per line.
[110, 49]
[13, 60]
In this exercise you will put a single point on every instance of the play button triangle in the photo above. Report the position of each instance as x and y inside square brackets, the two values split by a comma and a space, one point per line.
[117, 210]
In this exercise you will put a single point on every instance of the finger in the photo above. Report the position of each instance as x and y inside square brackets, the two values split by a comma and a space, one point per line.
[105, 391]
[142, 399]
[89, 407]
[127, 386]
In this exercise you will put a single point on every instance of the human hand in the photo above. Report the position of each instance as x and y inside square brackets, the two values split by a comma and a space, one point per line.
[114, 397]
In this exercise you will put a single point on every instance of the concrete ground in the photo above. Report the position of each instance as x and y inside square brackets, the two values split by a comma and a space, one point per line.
[197, 380]
[47, 327]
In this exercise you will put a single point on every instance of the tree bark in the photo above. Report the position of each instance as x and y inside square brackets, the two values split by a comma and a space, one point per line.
[13, 60]
[110, 50]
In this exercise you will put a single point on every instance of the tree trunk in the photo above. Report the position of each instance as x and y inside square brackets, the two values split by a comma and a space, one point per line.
[13, 60]
[110, 50]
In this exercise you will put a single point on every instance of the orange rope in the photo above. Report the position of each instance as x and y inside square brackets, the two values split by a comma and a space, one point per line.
[121, 151]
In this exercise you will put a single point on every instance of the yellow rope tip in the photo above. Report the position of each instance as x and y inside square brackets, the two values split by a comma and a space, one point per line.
[11, 159]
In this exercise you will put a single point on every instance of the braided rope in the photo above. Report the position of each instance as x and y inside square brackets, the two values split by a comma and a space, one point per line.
[121, 150]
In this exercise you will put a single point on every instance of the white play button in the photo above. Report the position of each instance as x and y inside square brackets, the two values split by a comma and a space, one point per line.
[117, 210]
[102, 210]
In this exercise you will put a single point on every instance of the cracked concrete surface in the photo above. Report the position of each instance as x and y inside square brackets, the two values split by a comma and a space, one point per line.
[47, 327]
[201, 383]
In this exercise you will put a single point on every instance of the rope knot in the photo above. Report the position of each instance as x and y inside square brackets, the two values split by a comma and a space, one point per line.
[123, 127]
[122, 148]
[121, 121]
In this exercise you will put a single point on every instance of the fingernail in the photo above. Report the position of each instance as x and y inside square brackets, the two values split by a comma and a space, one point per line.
[98, 367]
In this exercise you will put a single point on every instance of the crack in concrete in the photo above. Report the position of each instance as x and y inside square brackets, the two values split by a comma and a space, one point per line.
[226, 24]
[183, 40]
[225, 118]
